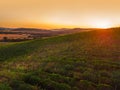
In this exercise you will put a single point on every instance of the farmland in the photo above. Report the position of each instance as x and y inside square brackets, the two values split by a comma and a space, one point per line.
[24, 34]
[80, 61]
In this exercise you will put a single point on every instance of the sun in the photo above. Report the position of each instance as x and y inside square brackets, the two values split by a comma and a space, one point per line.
[101, 24]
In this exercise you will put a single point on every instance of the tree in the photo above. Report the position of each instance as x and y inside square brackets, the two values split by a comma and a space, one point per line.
[5, 39]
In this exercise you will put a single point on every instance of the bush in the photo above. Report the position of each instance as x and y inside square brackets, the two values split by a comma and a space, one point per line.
[63, 86]
[86, 85]
[62, 79]
[104, 87]
[105, 80]
[116, 80]
[5, 87]
[24, 87]
[20, 85]
[90, 76]
[52, 85]
[33, 80]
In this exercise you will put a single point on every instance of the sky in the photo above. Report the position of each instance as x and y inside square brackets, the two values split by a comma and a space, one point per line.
[60, 13]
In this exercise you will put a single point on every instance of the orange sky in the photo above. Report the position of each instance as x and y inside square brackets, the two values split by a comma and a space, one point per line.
[59, 13]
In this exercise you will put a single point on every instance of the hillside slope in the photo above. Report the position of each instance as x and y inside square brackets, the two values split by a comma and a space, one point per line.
[82, 61]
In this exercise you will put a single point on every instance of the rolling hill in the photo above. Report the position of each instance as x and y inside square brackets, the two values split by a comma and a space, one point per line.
[81, 61]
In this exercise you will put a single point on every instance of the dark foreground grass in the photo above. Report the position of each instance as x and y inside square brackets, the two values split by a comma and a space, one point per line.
[82, 61]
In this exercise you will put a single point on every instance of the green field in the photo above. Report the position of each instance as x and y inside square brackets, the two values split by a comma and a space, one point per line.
[81, 61]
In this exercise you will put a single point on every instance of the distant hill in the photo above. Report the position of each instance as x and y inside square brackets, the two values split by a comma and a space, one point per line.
[28, 29]
[2, 28]
[41, 32]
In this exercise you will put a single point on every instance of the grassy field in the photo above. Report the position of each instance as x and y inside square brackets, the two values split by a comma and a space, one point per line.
[82, 61]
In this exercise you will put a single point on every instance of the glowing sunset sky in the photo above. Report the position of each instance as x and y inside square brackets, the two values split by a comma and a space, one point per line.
[59, 13]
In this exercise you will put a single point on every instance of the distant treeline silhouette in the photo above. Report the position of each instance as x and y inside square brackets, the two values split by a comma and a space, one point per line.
[6, 39]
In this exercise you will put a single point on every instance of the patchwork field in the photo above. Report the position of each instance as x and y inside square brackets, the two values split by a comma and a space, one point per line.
[13, 36]
[81, 61]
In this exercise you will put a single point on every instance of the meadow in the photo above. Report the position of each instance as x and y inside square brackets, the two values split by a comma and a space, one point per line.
[82, 61]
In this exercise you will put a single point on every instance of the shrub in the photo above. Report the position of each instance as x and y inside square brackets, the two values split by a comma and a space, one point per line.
[63, 86]
[33, 80]
[5, 87]
[62, 79]
[24, 87]
[20, 85]
[116, 80]
[104, 87]
[52, 85]
[90, 76]
[105, 80]
[86, 85]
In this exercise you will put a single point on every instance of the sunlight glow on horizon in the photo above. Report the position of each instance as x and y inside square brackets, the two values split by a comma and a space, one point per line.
[101, 24]
[51, 14]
